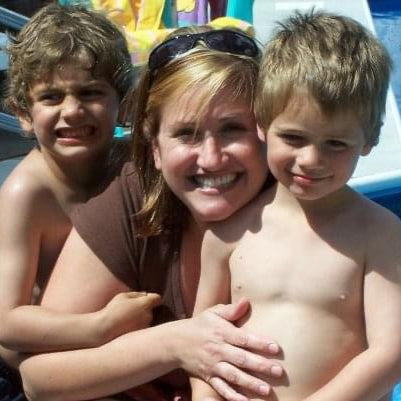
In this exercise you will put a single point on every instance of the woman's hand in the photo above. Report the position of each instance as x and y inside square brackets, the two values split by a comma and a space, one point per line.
[212, 348]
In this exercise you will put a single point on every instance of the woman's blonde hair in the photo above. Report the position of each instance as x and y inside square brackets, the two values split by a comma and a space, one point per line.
[201, 67]
[331, 58]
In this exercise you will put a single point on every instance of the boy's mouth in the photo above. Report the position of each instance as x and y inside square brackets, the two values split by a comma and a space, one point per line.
[79, 132]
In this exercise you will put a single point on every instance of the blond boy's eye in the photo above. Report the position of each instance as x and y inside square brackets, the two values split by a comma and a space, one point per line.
[292, 139]
[336, 144]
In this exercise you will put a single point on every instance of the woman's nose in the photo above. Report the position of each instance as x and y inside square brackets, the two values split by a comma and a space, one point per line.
[211, 154]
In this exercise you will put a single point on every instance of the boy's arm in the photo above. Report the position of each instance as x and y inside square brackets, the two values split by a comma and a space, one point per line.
[30, 328]
[373, 373]
[207, 345]
[213, 288]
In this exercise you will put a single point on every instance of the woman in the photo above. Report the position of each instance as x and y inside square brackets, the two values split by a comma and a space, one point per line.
[196, 159]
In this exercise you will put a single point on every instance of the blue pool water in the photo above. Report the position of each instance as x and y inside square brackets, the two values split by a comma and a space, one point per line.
[387, 20]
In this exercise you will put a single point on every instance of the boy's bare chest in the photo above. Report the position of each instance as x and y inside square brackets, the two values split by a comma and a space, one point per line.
[302, 266]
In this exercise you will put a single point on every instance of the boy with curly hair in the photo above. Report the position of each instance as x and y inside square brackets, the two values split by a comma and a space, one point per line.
[69, 73]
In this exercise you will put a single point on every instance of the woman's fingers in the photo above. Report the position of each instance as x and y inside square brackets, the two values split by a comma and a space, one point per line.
[232, 312]
[239, 337]
[246, 360]
[232, 376]
[212, 348]
[226, 391]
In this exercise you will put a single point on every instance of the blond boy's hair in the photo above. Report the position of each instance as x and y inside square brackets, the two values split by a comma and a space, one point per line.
[331, 58]
[209, 70]
[56, 36]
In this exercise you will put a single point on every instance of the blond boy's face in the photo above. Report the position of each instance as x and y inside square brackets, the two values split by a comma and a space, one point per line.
[311, 153]
[72, 114]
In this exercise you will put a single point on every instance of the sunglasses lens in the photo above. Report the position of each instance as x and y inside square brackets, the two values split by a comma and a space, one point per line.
[224, 41]
[169, 50]
[232, 42]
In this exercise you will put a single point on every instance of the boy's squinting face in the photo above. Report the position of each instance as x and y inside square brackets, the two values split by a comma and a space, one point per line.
[214, 164]
[311, 153]
[73, 114]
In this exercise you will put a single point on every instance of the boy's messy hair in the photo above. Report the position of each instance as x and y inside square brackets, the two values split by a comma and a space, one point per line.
[58, 35]
[209, 70]
[330, 57]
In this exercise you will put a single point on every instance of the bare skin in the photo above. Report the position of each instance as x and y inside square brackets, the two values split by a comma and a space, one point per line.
[73, 118]
[319, 263]
[208, 346]
[321, 302]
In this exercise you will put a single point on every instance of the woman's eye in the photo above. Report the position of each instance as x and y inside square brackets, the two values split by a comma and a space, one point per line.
[232, 129]
[186, 135]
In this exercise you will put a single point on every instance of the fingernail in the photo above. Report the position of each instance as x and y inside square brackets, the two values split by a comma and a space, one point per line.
[276, 370]
[264, 390]
[273, 348]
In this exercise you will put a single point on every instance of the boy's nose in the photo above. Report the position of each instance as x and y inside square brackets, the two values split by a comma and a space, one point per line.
[72, 107]
[310, 156]
[211, 155]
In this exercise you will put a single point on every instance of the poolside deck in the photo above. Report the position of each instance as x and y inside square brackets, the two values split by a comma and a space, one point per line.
[381, 167]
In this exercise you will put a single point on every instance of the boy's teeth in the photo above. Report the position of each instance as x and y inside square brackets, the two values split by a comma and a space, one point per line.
[215, 182]
[82, 132]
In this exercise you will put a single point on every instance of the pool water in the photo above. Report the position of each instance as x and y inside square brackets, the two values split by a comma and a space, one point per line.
[387, 21]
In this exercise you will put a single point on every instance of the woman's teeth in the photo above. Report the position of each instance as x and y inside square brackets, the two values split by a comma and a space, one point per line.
[215, 182]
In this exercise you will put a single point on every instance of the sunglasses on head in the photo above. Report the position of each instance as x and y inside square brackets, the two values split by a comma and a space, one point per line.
[222, 40]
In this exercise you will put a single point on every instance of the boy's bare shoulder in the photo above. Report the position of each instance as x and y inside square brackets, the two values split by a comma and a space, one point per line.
[28, 186]
[376, 216]
[382, 231]
[248, 218]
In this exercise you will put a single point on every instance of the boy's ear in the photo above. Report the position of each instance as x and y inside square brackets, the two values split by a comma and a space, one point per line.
[26, 123]
[366, 149]
[24, 119]
[261, 133]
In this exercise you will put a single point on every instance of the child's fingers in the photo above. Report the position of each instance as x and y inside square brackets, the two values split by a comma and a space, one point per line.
[135, 294]
[154, 299]
[150, 299]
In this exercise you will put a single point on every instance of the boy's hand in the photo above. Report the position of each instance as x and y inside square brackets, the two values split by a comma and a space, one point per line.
[128, 311]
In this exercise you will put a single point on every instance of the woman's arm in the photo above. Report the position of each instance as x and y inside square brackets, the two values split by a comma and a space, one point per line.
[206, 346]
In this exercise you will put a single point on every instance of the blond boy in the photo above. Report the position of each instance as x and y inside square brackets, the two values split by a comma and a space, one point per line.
[69, 72]
[320, 263]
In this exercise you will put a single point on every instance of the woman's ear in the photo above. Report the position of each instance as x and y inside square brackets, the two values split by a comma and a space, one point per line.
[156, 154]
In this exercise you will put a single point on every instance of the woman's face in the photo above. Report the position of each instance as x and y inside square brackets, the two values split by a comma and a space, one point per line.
[214, 164]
